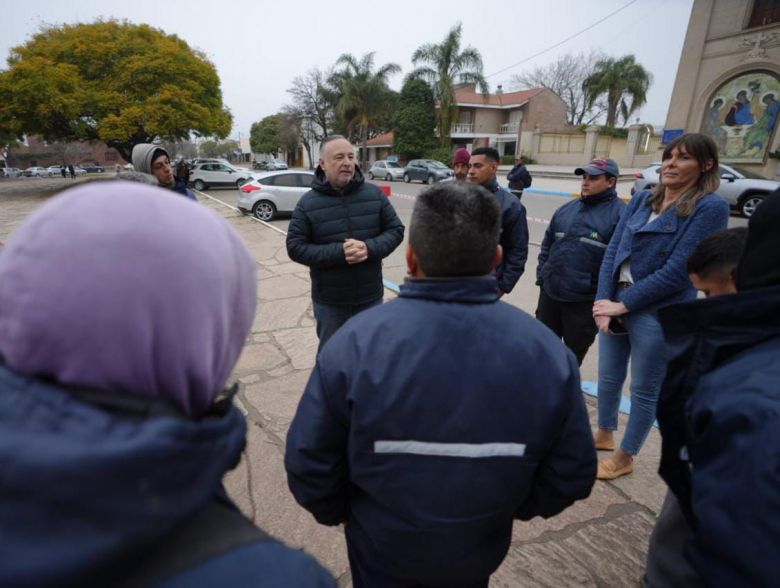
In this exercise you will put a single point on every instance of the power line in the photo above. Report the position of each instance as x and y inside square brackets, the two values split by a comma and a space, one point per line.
[577, 34]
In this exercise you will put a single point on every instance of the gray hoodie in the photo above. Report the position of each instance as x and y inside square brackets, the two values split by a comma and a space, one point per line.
[143, 154]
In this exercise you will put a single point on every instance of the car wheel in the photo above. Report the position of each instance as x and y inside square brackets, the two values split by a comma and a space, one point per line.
[407, 179]
[199, 185]
[264, 210]
[749, 204]
[370, 176]
[431, 179]
[388, 178]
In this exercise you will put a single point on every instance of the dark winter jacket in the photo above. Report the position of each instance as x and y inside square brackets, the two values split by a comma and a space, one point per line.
[323, 219]
[719, 414]
[433, 420]
[658, 251]
[574, 246]
[181, 187]
[514, 237]
[89, 493]
[519, 178]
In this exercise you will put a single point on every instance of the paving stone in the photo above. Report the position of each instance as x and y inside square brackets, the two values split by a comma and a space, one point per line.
[286, 313]
[300, 345]
[263, 356]
[275, 510]
[273, 402]
[605, 553]
[279, 287]
[288, 268]
[261, 338]
[595, 506]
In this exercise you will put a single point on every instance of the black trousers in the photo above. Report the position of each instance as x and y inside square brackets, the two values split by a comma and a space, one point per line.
[572, 321]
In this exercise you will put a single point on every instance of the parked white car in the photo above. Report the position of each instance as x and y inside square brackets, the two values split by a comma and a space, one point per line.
[10, 172]
[36, 171]
[743, 189]
[55, 170]
[272, 193]
[218, 175]
[386, 170]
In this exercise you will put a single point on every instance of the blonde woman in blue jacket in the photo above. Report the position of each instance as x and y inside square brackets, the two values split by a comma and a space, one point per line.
[644, 268]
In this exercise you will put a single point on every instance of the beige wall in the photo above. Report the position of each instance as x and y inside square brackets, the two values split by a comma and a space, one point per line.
[567, 149]
[712, 54]
[487, 120]
[547, 111]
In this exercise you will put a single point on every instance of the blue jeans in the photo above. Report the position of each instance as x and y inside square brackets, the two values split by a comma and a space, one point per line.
[330, 317]
[646, 347]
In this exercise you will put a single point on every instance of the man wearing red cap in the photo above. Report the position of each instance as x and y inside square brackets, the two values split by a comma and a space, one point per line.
[460, 163]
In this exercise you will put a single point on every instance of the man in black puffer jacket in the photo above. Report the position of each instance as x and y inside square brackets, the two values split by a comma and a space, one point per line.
[342, 229]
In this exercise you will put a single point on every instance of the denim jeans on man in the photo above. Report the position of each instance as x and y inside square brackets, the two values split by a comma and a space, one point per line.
[330, 317]
[645, 344]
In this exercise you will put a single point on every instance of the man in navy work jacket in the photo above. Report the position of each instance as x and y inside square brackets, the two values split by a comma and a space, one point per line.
[418, 435]
[483, 166]
[570, 258]
[342, 229]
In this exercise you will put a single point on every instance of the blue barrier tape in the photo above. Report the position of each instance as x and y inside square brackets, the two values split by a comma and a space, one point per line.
[391, 285]
[592, 389]
[551, 192]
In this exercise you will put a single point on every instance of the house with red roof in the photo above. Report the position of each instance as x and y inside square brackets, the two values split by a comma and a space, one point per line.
[502, 120]
[506, 120]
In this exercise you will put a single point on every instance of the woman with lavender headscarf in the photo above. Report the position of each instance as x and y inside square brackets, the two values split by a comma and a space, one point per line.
[123, 309]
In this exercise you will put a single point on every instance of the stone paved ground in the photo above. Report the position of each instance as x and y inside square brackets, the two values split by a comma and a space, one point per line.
[601, 541]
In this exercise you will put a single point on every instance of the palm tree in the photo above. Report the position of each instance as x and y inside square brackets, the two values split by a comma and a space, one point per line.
[624, 81]
[448, 65]
[364, 94]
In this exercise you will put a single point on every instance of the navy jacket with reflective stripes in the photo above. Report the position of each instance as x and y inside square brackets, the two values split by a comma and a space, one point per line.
[443, 365]
[574, 246]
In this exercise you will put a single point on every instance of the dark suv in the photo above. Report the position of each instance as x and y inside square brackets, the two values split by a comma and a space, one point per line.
[426, 170]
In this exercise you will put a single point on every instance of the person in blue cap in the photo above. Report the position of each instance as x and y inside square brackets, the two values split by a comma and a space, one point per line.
[572, 250]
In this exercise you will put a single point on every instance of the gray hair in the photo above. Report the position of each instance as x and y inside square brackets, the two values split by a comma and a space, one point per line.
[330, 139]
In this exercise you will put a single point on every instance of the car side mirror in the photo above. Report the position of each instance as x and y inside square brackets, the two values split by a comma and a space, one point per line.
[729, 177]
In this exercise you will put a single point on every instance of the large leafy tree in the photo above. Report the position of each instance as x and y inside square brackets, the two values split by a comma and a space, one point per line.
[365, 100]
[624, 82]
[265, 136]
[415, 120]
[113, 81]
[448, 65]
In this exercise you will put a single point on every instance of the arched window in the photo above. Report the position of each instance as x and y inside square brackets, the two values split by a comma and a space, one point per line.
[741, 116]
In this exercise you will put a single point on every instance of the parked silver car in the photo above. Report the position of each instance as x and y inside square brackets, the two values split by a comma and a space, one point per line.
[55, 170]
[36, 171]
[386, 170]
[743, 189]
[10, 172]
[273, 192]
[208, 175]
[426, 170]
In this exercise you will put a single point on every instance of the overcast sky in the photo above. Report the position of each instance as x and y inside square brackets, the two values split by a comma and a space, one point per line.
[258, 46]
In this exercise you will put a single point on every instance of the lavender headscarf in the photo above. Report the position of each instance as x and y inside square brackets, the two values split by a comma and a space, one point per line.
[124, 287]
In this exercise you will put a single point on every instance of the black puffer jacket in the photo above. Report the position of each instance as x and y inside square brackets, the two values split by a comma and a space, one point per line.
[323, 219]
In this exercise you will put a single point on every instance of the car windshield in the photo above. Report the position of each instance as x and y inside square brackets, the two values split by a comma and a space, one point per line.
[392, 164]
[748, 174]
[437, 164]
